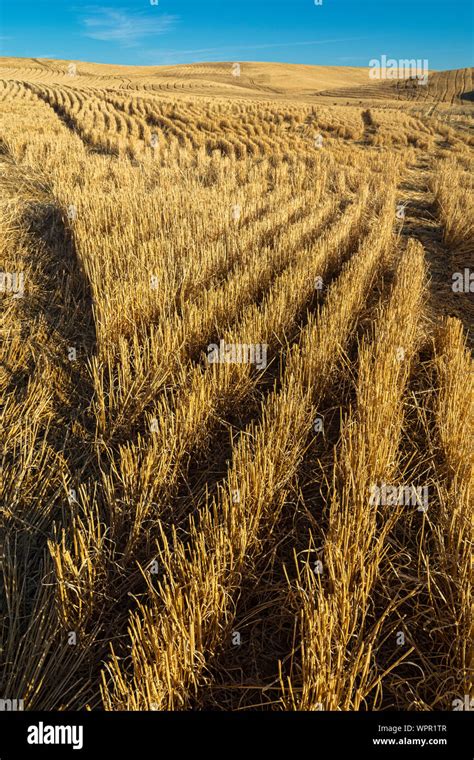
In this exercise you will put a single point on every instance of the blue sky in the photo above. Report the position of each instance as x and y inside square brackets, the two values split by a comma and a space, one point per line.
[339, 32]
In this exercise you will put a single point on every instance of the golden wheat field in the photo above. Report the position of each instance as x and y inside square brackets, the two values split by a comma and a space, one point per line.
[236, 388]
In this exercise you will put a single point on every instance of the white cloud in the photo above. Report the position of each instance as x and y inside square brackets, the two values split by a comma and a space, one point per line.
[110, 25]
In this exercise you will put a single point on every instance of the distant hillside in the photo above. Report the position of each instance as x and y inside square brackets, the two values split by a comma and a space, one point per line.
[454, 86]
[255, 80]
[267, 78]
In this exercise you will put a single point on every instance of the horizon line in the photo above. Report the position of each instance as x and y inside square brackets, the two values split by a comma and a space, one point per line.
[200, 63]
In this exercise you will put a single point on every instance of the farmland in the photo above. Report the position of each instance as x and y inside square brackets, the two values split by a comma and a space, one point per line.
[188, 529]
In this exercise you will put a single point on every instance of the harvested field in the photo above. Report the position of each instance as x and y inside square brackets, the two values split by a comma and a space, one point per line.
[237, 396]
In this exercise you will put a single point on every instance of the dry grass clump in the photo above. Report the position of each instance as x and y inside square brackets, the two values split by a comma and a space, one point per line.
[454, 195]
[332, 596]
[454, 417]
